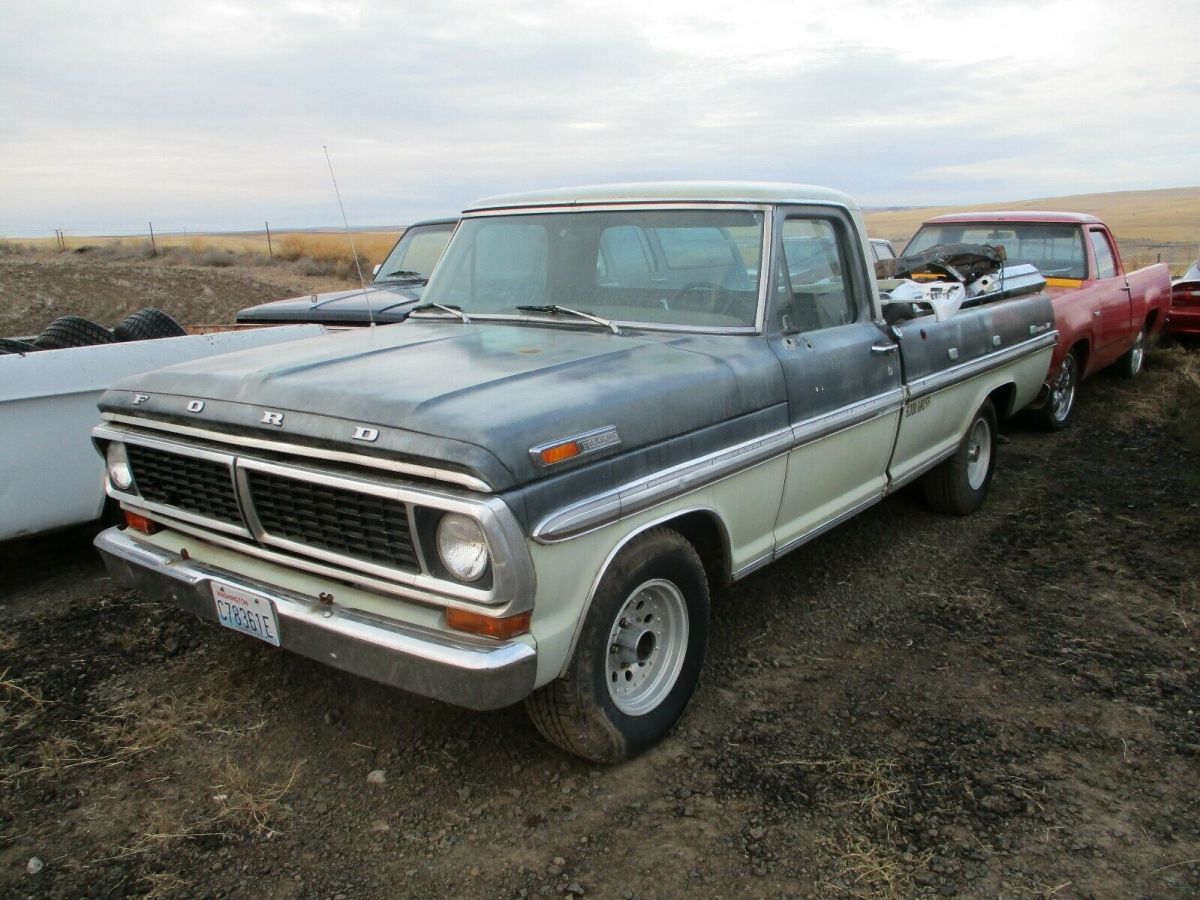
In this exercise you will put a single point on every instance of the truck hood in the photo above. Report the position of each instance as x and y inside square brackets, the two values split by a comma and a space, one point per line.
[386, 302]
[473, 397]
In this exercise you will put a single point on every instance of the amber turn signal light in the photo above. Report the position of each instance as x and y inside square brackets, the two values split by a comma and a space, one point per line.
[488, 626]
[559, 452]
[140, 523]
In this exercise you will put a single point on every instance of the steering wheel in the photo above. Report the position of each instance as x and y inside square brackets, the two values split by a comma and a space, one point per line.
[709, 297]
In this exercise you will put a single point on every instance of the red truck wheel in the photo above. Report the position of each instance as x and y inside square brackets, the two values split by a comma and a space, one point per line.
[1130, 365]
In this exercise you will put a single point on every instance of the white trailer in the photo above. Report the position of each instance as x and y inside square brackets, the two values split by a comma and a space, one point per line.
[50, 474]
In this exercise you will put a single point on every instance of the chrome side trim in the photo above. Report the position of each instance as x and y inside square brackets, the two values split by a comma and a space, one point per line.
[635, 496]
[825, 526]
[659, 487]
[920, 470]
[938, 380]
[753, 566]
[389, 465]
[474, 672]
[847, 416]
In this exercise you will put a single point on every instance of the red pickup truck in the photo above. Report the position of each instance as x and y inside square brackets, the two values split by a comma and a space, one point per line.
[1104, 315]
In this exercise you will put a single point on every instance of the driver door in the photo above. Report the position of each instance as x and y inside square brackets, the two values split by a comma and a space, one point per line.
[841, 369]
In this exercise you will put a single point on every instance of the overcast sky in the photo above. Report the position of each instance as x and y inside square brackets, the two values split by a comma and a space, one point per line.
[212, 116]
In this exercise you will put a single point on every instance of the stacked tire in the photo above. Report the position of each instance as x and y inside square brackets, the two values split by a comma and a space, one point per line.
[75, 331]
[147, 324]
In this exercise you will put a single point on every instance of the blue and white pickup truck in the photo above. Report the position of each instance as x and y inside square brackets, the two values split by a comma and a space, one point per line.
[609, 400]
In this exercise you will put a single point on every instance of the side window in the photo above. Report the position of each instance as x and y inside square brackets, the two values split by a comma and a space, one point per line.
[812, 291]
[1106, 264]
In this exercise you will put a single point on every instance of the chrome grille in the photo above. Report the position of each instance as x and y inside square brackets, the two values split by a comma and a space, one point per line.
[199, 486]
[360, 526]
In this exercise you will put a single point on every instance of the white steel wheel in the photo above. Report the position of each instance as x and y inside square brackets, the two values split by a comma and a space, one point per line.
[959, 485]
[979, 453]
[638, 656]
[647, 645]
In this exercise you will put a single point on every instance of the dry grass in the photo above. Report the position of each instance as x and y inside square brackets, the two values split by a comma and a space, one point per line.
[1146, 223]
[317, 253]
[1172, 402]
[334, 246]
[19, 706]
[245, 801]
[131, 726]
[864, 868]
[862, 855]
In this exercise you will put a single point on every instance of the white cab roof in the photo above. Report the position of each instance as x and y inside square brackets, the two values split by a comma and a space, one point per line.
[757, 192]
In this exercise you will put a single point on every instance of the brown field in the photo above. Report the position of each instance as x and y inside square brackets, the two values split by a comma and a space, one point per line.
[1148, 225]
[323, 246]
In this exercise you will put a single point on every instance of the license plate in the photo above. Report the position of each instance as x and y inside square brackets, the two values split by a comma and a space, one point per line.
[247, 612]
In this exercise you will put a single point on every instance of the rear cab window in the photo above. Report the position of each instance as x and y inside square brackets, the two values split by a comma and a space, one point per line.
[1057, 250]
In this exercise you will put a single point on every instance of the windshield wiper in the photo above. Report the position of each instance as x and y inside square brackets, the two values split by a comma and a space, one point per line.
[407, 275]
[453, 310]
[555, 308]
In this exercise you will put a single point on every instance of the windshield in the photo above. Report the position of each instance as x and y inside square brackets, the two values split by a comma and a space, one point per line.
[1056, 250]
[689, 268]
[416, 253]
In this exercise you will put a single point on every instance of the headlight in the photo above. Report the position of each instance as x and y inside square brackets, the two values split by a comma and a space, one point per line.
[461, 546]
[119, 472]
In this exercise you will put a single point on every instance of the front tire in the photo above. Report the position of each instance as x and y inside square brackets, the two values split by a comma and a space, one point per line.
[959, 485]
[639, 654]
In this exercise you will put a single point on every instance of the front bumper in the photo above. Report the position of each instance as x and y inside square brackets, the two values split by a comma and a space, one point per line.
[465, 671]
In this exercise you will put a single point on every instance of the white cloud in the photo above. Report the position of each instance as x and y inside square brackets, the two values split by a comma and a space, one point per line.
[213, 115]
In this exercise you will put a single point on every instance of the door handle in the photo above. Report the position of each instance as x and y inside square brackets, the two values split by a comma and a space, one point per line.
[884, 348]
[1096, 313]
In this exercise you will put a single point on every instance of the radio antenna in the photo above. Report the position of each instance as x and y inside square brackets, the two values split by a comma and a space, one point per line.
[350, 237]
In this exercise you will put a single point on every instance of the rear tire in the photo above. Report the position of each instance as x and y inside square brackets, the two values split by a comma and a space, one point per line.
[73, 331]
[959, 485]
[148, 324]
[639, 654]
[1130, 365]
[1056, 413]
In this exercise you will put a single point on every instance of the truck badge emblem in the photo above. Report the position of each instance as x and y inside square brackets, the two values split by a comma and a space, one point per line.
[195, 406]
[362, 433]
[139, 399]
[272, 418]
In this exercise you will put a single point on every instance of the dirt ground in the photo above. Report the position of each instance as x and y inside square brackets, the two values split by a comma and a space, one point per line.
[1006, 705]
[34, 291]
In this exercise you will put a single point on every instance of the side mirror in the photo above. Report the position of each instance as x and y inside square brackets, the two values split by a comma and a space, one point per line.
[376, 268]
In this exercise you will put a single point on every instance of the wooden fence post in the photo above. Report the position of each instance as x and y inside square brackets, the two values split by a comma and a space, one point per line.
[270, 249]
[153, 246]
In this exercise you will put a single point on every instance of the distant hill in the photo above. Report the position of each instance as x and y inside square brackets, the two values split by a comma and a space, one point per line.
[1141, 220]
